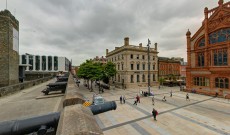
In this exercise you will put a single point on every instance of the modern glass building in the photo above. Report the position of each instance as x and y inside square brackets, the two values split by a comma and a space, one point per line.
[45, 63]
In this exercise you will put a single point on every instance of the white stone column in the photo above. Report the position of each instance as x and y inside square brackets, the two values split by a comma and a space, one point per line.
[34, 63]
[27, 62]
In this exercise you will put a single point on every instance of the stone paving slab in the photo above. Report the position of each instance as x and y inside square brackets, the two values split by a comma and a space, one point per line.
[200, 116]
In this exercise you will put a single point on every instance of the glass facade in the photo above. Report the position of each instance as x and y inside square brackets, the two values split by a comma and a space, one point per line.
[37, 62]
[31, 62]
[49, 62]
[23, 59]
[55, 63]
[43, 62]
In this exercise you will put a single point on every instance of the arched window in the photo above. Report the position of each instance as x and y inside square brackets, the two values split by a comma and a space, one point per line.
[201, 42]
[221, 35]
[221, 83]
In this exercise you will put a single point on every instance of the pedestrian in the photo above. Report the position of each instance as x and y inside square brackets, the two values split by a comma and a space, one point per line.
[187, 97]
[171, 93]
[153, 102]
[155, 113]
[135, 102]
[121, 99]
[124, 99]
[164, 98]
[138, 99]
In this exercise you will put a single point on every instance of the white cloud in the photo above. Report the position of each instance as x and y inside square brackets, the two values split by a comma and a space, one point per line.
[83, 29]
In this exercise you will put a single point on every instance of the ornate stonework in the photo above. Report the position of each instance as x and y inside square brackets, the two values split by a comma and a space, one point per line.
[208, 69]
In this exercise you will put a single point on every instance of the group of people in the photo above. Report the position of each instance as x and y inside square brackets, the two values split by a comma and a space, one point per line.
[122, 99]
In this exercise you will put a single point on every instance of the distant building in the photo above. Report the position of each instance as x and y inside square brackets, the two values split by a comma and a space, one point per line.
[9, 49]
[102, 60]
[132, 65]
[45, 63]
[208, 52]
[183, 71]
[169, 68]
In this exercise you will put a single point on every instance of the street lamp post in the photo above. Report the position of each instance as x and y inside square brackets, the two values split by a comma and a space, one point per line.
[148, 45]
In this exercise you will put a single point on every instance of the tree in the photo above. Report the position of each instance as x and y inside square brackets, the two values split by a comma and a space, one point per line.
[109, 71]
[161, 80]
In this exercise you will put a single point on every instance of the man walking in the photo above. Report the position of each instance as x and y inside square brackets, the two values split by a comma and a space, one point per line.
[155, 113]
[124, 99]
[171, 93]
[187, 97]
[121, 99]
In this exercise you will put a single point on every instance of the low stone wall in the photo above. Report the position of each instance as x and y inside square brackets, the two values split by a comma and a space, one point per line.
[20, 86]
[75, 118]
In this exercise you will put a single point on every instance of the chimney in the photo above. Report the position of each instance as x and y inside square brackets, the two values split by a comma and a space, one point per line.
[107, 51]
[126, 40]
[156, 46]
[140, 45]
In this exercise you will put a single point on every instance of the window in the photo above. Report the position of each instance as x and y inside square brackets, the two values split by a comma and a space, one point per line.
[131, 78]
[122, 66]
[201, 42]
[131, 56]
[31, 62]
[43, 62]
[200, 59]
[23, 59]
[118, 67]
[119, 78]
[143, 66]
[115, 58]
[220, 57]
[37, 62]
[55, 63]
[137, 56]
[143, 57]
[200, 81]
[122, 57]
[153, 66]
[118, 57]
[221, 83]
[50, 63]
[153, 57]
[138, 66]
[131, 66]
[154, 79]
[138, 78]
[143, 78]
[221, 35]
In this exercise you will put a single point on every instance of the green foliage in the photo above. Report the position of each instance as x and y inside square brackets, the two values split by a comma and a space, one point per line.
[96, 71]
[161, 80]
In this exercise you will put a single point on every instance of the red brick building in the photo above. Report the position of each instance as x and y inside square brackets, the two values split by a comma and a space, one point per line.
[169, 69]
[208, 53]
[183, 71]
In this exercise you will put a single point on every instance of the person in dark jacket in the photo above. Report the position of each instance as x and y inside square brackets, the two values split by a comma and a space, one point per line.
[155, 113]
[121, 99]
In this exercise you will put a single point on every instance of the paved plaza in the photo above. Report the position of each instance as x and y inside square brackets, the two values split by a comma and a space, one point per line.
[202, 115]
[26, 103]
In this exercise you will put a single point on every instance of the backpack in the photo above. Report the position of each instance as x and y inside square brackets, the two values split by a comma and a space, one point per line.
[156, 112]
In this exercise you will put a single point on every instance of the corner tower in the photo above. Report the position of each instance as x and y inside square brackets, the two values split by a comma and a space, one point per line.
[9, 48]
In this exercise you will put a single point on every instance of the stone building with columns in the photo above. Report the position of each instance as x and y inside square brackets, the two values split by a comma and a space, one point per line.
[132, 65]
[208, 52]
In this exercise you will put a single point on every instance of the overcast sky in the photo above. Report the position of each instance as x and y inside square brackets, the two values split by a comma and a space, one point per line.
[83, 29]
